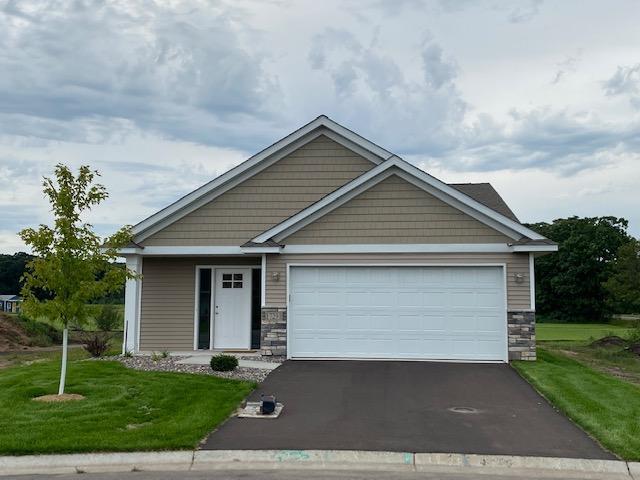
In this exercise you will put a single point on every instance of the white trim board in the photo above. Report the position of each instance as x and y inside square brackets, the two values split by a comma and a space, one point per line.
[199, 197]
[400, 248]
[188, 251]
[532, 281]
[397, 166]
[343, 248]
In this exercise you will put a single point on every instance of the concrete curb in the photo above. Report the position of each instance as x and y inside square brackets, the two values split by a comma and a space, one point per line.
[495, 463]
[203, 460]
[96, 462]
[296, 459]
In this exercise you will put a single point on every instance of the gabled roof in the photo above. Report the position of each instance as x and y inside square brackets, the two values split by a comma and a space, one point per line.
[480, 201]
[487, 195]
[396, 165]
[322, 125]
[10, 298]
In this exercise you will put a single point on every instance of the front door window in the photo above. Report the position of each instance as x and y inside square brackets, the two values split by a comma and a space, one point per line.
[204, 308]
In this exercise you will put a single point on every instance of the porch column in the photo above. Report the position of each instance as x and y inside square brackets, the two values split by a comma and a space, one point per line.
[133, 289]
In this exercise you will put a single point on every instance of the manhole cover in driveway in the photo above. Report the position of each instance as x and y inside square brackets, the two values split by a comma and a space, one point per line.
[466, 410]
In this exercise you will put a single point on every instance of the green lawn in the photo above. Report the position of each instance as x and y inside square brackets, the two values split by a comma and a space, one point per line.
[606, 407]
[90, 323]
[577, 331]
[124, 410]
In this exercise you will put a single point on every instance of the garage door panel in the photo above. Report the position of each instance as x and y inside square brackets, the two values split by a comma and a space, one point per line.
[369, 323]
[357, 299]
[434, 298]
[397, 312]
[488, 299]
[410, 298]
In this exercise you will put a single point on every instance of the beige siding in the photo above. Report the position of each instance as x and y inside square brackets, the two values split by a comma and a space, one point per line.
[269, 197]
[168, 300]
[395, 211]
[518, 294]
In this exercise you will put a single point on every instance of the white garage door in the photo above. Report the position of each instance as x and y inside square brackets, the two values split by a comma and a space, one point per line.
[444, 313]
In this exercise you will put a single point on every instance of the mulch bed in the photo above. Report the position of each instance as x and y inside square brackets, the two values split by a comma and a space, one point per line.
[65, 397]
[169, 364]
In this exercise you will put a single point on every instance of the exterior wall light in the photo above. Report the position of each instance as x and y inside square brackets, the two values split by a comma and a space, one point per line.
[275, 276]
[519, 277]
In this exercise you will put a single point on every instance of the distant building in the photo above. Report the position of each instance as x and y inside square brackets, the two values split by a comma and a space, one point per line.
[10, 303]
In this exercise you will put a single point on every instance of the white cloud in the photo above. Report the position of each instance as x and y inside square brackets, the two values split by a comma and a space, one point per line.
[162, 96]
[180, 70]
[625, 82]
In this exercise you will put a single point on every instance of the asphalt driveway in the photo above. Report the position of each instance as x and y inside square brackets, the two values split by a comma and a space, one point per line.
[407, 406]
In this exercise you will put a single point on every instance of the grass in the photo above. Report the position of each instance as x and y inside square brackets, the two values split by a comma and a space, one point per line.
[577, 331]
[90, 323]
[124, 409]
[606, 407]
[615, 361]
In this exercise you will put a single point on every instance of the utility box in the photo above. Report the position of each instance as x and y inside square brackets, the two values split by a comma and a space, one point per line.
[267, 404]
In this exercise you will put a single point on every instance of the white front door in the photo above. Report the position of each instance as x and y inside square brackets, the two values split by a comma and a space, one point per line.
[232, 309]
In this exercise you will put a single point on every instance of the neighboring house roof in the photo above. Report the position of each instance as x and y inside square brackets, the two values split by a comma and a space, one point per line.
[10, 298]
[478, 200]
[487, 195]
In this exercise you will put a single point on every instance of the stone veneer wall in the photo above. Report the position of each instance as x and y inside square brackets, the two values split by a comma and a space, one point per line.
[522, 335]
[521, 327]
[273, 335]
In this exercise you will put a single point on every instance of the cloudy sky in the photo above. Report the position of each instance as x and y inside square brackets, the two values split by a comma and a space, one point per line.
[541, 98]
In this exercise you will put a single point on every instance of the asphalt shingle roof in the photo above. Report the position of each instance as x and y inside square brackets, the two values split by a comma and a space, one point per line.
[487, 195]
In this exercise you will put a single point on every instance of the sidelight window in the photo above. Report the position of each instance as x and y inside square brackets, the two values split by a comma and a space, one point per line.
[204, 308]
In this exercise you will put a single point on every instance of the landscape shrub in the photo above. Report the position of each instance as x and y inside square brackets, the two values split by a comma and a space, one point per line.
[108, 318]
[96, 343]
[633, 337]
[223, 363]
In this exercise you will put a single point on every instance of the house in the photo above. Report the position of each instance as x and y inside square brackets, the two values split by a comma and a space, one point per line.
[327, 246]
[10, 303]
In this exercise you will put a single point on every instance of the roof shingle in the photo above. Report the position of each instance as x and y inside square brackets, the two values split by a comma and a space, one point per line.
[487, 195]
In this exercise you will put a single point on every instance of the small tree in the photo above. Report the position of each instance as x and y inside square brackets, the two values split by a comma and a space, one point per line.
[72, 265]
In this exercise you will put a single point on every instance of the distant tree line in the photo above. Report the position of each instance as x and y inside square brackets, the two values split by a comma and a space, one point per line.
[594, 274]
[12, 267]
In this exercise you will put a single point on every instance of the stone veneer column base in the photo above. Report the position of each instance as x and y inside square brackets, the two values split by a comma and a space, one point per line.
[273, 335]
[522, 334]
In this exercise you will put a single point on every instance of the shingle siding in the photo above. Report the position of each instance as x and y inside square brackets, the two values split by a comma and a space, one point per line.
[395, 211]
[269, 197]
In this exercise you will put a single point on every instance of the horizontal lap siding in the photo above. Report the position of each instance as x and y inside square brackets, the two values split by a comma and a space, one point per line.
[395, 211]
[266, 199]
[518, 294]
[168, 300]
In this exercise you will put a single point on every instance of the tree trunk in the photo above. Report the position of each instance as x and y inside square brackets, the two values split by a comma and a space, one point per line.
[63, 371]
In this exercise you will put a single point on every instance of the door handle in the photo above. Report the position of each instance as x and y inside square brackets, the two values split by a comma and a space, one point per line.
[216, 309]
